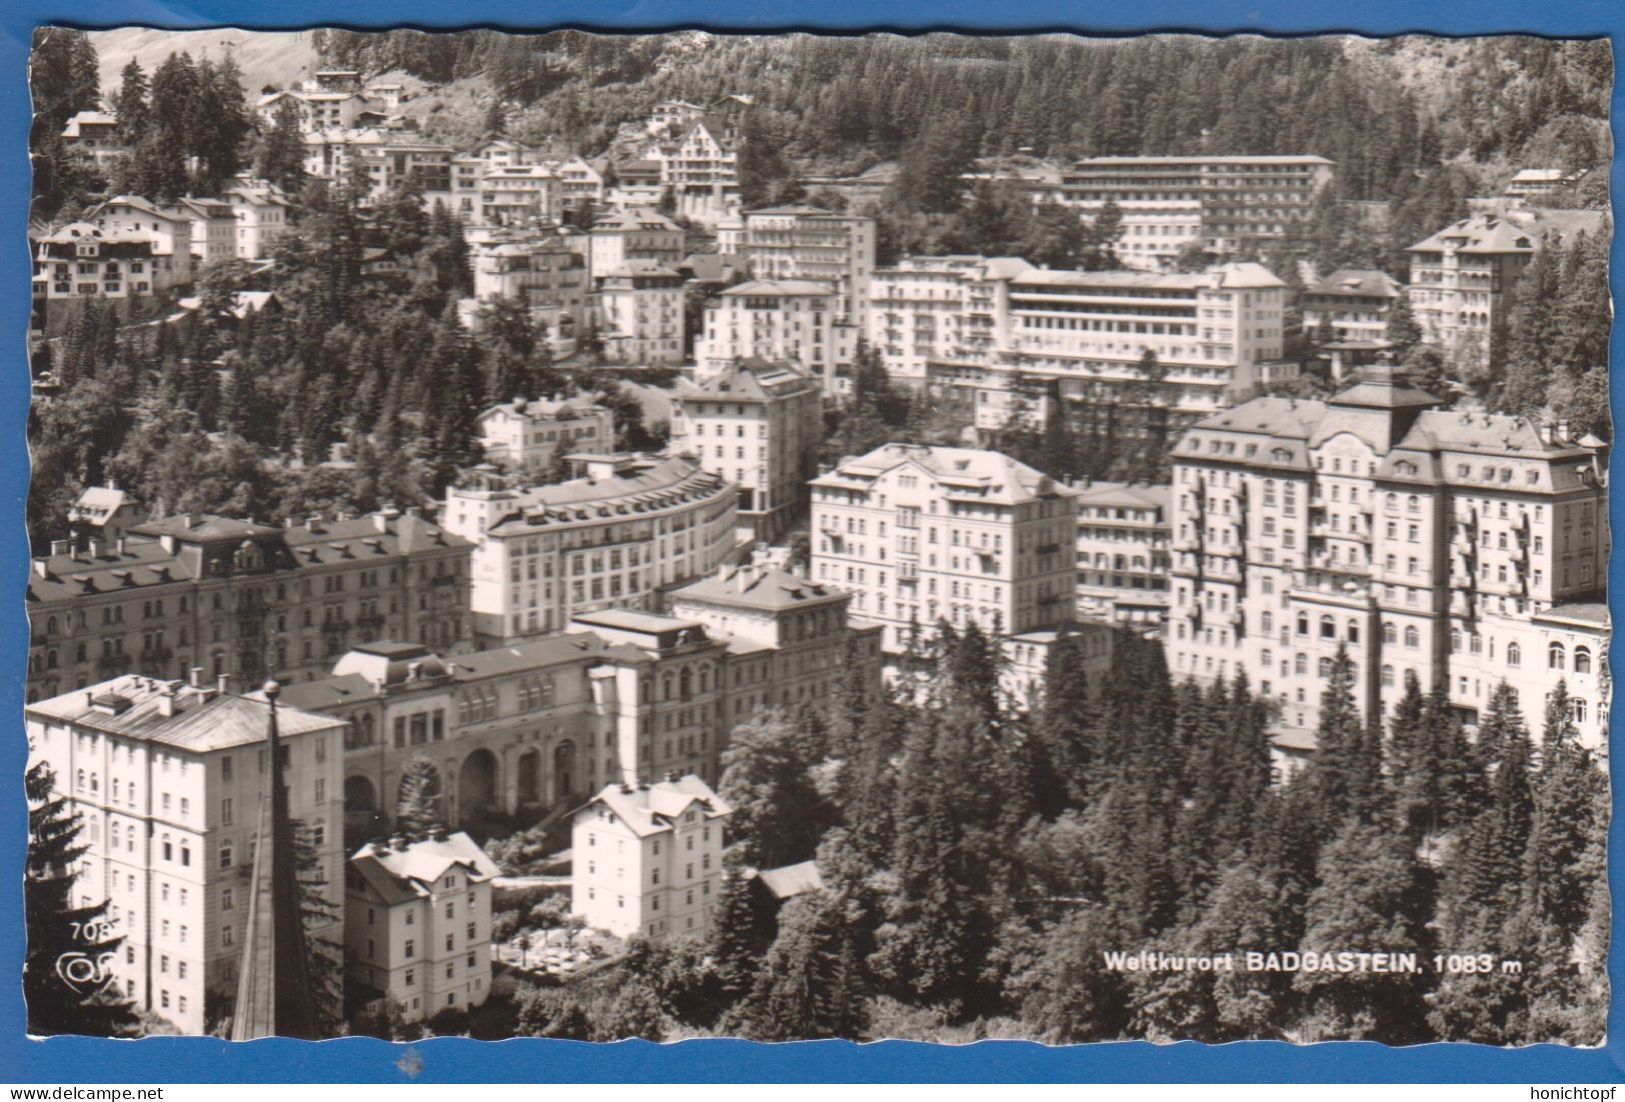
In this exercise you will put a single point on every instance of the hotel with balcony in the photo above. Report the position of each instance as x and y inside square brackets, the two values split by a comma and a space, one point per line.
[1222, 204]
[1462, 547]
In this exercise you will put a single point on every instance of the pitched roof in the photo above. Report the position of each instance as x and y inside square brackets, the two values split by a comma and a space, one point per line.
[643, 485]
[414, 868]
[1357, 281]
[744, 587]
[792, 880]
[782, 287]
[1130, 494]
[204, 720]
[988, 475]
[750, 380]
[653, 808]
[97, 503]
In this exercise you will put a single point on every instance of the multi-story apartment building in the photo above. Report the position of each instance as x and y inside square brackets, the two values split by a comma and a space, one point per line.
[923, 534]
[941, 310]
[647, 858]
[242, 600]
[1225, 205]
[801, 242]
[581, 184]
[170, 229]
[640, 306]
[1027, 658]
[417, 923]
[518, 195]
[1123, 551]
[791, 320]
[616, 239]
[214, 228]
[397, 158]
[1462, 547]
[546, 274]
[96, 133]
[527, 433]
[1093, 332]
[1353, 302]
[80, 261]
[1463, 279]
[758, 425]
[262, 217]
[171, 780]
[699, 169]
[630, 528]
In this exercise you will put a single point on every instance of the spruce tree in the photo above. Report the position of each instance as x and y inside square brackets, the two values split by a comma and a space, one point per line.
[776, 809]
[418, 811]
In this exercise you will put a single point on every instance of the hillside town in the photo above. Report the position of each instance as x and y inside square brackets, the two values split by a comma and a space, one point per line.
[501, 583]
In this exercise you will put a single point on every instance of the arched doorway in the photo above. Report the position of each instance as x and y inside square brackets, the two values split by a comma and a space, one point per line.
[359, 795]
[477, 786]
[530, 777]
[564, 770]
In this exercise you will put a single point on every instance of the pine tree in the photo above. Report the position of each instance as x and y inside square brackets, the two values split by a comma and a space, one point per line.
[1339, 764]
[282, 156]
[777, 811]
[736, 935]
[60, 930]
[418, 811]
[1373, 892]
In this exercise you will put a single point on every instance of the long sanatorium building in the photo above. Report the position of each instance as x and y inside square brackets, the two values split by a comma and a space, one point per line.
[626, 530]
[1462, 547]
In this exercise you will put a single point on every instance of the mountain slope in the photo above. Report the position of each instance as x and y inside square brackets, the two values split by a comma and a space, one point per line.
[266, 57]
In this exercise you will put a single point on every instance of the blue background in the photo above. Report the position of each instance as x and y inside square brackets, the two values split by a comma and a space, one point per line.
[77, 1060]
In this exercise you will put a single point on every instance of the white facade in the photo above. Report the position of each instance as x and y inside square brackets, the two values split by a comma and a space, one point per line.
[647, 859]
[921, 534]
[777, 320]
[614, 538]
[526, 434]
[1222, 204]
[1459, 547]
[262, 217]
[799, 242]
[641, 313]
[759, 426]
[616, 239]
[171, 780]
[417, 925]
[169, 230]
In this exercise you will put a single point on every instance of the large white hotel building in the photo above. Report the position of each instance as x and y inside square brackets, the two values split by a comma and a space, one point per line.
[1222, 204]
[921, 534]
[988, 330]
[627, 529]
[1466, 548]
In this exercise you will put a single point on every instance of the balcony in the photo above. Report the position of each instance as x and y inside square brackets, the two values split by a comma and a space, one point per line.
[908, 571]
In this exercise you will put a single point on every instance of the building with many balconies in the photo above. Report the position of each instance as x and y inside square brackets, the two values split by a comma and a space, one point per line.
[802, 242]
[240, 600]
[792, 320]
[1222, 205]
[640, 308]
[1462, 547]
[1123, 551]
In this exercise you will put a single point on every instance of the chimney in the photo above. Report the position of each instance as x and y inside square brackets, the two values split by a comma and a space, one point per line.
[42, 567]
[196, 680]
[414, 671]
[61, 547]
[166, 702]
[97, 546]
[380, 521]
[671, 776]
[119, 545]
[220, 684]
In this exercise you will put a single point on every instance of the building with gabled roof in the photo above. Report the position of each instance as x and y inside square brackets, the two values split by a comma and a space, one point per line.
[804, 242]
[778, 320]
[1451, 545]
[647, 858]
[96, 133]
[925, 533]
[417, 923]
[1123, 551]
[171, 777]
